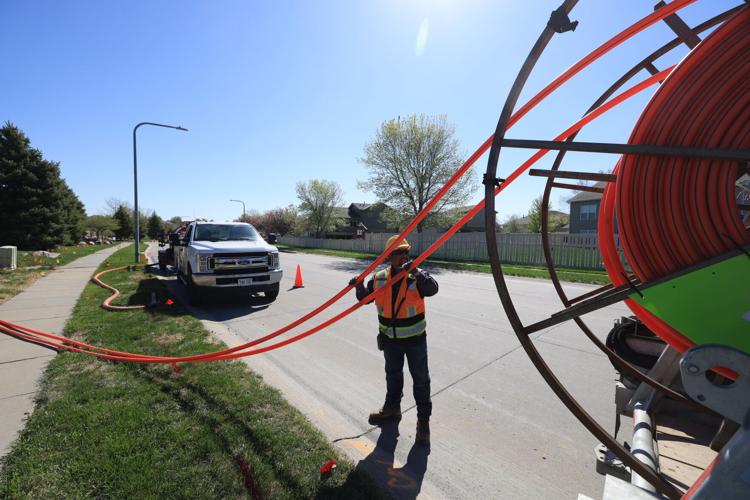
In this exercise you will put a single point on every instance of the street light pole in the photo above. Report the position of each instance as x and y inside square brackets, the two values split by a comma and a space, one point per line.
[243, 207]
[136, 214]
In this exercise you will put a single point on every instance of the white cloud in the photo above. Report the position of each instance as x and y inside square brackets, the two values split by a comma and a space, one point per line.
[424, 31]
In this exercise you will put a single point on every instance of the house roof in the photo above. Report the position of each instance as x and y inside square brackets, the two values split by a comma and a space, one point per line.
[361, 206]
[588, 195]
[340, 212]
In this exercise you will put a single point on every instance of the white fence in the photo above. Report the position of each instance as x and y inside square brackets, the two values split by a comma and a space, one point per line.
[579, 251]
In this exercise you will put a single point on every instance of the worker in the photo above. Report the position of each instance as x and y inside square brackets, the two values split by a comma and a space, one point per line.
[402, 332]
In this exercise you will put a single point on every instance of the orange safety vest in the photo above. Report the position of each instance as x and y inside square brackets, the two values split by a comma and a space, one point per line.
[409, 319]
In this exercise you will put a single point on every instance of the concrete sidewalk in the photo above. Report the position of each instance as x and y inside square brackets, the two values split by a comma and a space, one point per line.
[46, 305]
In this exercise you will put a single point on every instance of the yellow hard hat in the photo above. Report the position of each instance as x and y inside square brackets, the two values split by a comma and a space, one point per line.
[403, 244]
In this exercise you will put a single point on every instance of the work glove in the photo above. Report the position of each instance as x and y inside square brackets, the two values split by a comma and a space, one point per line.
[353, 282]
[406, 265]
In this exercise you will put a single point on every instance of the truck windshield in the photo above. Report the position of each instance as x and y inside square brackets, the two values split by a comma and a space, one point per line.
[225, 232]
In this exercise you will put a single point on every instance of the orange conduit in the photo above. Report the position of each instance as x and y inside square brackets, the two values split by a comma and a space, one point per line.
[115, 292]
[69, 344]
[674, 213]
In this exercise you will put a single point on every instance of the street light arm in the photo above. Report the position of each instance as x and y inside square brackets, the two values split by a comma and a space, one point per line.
[243, 207]
[136, 215]
[176, 127]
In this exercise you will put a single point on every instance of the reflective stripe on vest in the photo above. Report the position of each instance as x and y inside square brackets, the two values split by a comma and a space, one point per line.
[409, 320]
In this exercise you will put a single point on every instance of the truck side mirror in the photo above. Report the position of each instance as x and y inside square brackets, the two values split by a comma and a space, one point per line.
[174, 239]
[272, 238]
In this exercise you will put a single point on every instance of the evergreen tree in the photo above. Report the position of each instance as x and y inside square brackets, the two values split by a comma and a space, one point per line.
[39, 210]
[74, 216]
[155, 226]
[125, 223]
[142, 224]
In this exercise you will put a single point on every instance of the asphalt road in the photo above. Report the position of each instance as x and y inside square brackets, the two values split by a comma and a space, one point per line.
[498, 431]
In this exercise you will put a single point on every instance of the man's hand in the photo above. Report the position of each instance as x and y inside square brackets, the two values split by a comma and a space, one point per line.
[415, 271]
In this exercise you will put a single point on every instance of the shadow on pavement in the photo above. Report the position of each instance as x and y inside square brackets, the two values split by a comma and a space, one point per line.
[222, 305]
[402, 482]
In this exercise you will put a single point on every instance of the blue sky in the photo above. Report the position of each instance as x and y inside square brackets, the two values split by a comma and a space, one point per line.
[279, 92]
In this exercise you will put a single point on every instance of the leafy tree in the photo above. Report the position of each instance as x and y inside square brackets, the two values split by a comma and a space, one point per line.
[254, 218]
[42, 210]
[535, 215]
[410, 160]
[102, 224]
[125, 225]
[281, 220]
[555, 221]
[513, 224]
[317, 201]
[176, 220]
[155, 226]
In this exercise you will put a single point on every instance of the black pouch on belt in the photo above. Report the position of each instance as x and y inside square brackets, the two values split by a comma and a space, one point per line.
[381, 341]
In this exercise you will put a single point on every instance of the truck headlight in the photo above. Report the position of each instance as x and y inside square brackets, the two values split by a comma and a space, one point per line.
[203, 262]
[273, 260]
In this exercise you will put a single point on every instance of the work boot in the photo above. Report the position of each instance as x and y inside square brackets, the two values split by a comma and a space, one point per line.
[423, 432]
[385, 414]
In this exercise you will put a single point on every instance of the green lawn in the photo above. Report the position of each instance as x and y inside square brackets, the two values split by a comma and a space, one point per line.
[214, 430]
[575, 275]
[31, 268]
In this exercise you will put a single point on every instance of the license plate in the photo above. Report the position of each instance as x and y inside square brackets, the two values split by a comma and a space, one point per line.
[245, 281]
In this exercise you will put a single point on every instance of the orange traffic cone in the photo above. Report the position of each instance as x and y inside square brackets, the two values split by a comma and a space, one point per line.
[298, 279]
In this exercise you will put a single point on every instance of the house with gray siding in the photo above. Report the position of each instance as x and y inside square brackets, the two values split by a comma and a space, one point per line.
[584, 211]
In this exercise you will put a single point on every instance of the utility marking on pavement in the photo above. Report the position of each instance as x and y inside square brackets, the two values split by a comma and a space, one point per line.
[362, 445]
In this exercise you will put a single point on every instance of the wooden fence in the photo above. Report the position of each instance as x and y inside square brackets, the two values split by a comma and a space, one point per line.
[580, 251]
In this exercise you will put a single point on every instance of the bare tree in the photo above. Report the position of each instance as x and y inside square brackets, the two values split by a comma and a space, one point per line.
[317, 199]
[112, 204]
[410, 160]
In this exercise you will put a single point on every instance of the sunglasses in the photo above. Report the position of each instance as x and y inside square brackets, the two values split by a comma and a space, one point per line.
[401, 251]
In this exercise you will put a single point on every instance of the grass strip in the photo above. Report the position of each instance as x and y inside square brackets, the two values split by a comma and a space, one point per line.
[30, 268]
[119, 430]
[574, 275]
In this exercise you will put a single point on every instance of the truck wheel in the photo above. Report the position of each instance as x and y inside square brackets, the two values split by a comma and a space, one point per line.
[194, 292]
[272, 293]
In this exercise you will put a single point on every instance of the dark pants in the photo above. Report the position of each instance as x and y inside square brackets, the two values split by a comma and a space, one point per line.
[415, 350]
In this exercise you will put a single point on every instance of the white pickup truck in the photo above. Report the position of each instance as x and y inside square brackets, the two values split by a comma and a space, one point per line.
[227, 255]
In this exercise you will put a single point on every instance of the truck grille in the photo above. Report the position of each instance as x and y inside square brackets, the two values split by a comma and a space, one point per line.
[251, 270]
[245, 261]
[242, 254]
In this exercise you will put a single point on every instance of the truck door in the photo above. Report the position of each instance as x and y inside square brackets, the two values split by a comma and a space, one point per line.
[181, 252]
